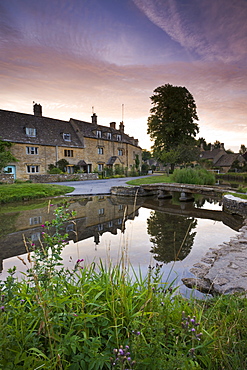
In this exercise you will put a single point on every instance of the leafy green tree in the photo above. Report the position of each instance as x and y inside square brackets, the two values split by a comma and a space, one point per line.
[172, 119]
[6, 156]
[146, 155]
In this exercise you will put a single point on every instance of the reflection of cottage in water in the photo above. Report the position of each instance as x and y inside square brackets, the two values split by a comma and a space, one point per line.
[94, 216]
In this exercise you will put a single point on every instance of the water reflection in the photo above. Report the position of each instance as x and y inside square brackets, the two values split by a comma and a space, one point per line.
[172, 236]
[163, 230]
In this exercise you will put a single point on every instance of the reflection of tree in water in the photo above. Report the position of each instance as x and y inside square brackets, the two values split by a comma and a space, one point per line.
[171, 235]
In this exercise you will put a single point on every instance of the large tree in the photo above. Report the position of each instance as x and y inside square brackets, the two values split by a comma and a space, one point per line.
[6, 156]
[172, 119]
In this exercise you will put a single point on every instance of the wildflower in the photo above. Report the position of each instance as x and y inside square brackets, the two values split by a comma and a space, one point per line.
[80, 260]
[2, 308]
[42, 225]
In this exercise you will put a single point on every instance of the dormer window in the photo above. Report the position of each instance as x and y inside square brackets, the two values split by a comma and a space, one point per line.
[67, 137]
[108, 135]
[99, 133]
[31, 131]
[119, 137]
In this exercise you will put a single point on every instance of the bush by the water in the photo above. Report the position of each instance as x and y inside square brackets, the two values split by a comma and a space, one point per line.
[197, 175]
[94, 317]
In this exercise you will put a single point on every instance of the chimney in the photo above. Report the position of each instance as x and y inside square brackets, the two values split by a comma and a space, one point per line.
[37, 110]
[222, 146]
[201, 147]
[113, 125]
[136, 141]
[211, 147]
[94, 118]
[121, 127]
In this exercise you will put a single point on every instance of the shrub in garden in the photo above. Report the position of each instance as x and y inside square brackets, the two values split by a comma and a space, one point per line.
[197, 175]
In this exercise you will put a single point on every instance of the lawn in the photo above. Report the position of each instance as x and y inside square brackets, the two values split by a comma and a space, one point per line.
[26, 191]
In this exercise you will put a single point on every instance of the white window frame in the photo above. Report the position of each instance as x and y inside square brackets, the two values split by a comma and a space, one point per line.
[119, 137]
[30, 131]
[101, 211]
[32, 168]
[66, 136]
[100, 167]
[99, 134]
[120, 152]
[32, 150]
[100, 150]
[108, 135]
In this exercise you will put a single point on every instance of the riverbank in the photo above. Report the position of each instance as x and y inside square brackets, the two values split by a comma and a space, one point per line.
[105, 317]
[26, 191]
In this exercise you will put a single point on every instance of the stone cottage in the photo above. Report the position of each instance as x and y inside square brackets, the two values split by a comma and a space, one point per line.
[220, 159]
[39, 141]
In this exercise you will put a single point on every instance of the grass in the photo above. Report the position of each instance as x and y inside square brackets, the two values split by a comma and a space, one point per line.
[26, 191]
[151, 180]
[111, 317]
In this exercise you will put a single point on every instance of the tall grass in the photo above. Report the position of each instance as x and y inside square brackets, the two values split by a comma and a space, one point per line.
[104, 316]
[197, 175]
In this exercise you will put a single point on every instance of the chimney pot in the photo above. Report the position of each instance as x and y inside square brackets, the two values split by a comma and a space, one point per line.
[37, 110]
[113, 125]
[94, 118]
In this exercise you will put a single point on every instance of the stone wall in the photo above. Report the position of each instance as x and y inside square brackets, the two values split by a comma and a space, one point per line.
[7, 178]
[66, 177]
[233, 204]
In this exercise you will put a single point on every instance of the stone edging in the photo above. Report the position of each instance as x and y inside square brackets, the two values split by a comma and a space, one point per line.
[222, 270]
[233, 204]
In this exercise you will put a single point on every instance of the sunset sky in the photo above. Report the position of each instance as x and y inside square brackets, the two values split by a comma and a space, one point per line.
[72, 55]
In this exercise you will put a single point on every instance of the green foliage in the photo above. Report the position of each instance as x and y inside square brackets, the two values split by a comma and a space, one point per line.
[26, 191]
[62, 164]
[6, 156]
[197, 175]
[102, 317]
[171, 122]
[55, 170]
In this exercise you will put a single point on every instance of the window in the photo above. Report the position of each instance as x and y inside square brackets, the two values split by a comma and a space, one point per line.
[68, 153]
[119, 137]
[100, 167]
[35, 220]
[69, 228]
[120, 152]
[35, 237]
[32, 169]
[32, 150]
[98, 133]
[108, 135]
[100, 227]
[100, 150]
[67, 137]
[101, 211]
[30, 131]
[70, 169]
[120, 207]
[110, 224]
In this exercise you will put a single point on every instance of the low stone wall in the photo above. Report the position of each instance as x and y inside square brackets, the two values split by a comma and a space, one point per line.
[65, 177]
[7, 178]
[233, 204]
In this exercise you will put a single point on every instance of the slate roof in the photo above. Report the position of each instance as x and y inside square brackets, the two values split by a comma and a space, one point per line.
[227, 160]
[211, 154]
[49, 131]
[89, 130]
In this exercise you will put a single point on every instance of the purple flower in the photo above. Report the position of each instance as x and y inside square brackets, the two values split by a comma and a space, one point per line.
[42, 225]
[80, 260]
[2, 308]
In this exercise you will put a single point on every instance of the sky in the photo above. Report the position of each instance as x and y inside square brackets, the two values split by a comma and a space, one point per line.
[75, 57]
